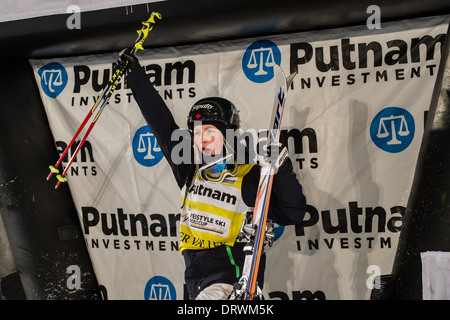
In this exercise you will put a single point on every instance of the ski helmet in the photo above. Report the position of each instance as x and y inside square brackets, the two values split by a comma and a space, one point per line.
[214, 109]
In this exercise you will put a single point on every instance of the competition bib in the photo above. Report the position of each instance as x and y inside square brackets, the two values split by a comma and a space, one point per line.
[213, 212]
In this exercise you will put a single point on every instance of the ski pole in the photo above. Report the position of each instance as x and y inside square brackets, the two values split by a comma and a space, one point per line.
[53, 169]
[101, 102]
[104, 100]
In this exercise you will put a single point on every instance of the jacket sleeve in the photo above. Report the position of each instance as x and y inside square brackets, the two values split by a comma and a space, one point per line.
[158, 117]
[287, 203]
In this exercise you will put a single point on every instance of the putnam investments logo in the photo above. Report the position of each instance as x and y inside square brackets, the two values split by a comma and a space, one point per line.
[392, 129]
[259, 59]
[159, 288]
[146, 149]
[53, 79]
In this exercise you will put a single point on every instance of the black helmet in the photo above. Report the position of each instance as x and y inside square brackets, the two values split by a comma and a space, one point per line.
[214, 109]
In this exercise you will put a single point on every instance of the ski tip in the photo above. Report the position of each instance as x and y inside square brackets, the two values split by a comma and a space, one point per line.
[290, 78]
[281, 75]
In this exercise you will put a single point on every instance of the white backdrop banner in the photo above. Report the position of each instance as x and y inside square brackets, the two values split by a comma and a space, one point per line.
[353, 125]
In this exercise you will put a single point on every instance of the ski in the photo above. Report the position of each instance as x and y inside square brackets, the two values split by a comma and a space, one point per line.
[247, 287]
[100, 104]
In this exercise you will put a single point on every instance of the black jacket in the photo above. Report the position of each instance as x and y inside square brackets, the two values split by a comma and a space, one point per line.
[287, 203]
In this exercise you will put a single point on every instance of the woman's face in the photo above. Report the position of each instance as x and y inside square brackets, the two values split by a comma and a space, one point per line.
[208, 139]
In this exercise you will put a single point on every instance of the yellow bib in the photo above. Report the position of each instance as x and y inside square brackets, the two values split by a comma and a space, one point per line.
[213, 212]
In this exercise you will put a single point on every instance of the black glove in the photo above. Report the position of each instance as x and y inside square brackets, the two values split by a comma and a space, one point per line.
[276, 155]
[129, 59]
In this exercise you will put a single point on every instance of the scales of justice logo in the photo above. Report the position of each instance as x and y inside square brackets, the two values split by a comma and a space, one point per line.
[53, 79]
[159, 288]
[259, 59]
[146, 149]
[392, 129]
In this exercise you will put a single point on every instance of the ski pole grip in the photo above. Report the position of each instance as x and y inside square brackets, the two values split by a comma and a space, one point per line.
[143, 33]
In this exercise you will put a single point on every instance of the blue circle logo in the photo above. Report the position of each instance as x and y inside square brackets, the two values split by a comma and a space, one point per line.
[392, 129]
[146, 149]
[159, 288]
[259, 59]
[53, 79]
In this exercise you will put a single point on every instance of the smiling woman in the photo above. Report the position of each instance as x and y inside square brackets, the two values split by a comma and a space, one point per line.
[208, 139]
[217, 195]
[208, 120]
